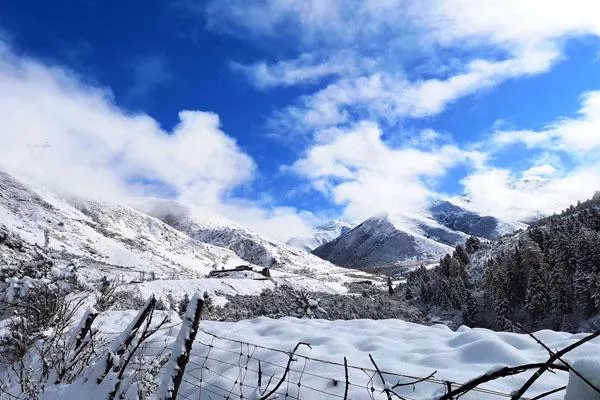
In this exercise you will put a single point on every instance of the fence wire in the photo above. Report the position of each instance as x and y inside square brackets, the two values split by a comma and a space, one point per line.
[226, 368]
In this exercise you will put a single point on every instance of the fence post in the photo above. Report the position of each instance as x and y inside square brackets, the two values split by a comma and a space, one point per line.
[347, 380]
[121, 343]
[180, 355]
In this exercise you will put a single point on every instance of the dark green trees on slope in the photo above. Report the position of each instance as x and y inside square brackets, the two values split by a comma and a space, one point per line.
[547, 277]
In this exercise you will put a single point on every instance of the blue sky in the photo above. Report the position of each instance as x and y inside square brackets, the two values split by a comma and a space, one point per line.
[303, 110]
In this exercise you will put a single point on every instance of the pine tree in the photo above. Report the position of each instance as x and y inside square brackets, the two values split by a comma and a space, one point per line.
[444, 267]
[595, 291]
[470, 311]
[582, 282]
[472, 245]
[536, 291]
[536, 298]
[408, 295]
[183, 303]
[461, 255]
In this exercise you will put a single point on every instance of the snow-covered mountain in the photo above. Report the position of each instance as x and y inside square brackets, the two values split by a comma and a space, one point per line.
[247, 244]
[107, 239]
[321, 234]
[468, 222]
[103, 238]
[380, 242]
[391, 240]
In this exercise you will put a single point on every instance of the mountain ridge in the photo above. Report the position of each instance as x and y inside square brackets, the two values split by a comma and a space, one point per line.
[101, 238]
[403, 238]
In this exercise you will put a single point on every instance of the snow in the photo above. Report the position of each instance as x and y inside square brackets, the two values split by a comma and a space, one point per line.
[216, 288]
[113, 240]
[105, 238]
[219, 288]
[382, 242]
[397, 346]
[577, 388]
[321, 234]
[178, 348]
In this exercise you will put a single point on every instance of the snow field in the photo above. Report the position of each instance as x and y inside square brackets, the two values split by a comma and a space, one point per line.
[578, 389]
[218, 364]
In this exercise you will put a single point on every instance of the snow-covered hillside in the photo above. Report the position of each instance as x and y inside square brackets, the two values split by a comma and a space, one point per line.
[321, 234]
[462, 220]
[103, 238]
[247, 244]
[398, 238]
[381, 242]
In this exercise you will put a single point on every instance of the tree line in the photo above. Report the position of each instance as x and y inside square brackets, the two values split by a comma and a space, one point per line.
[545, 277]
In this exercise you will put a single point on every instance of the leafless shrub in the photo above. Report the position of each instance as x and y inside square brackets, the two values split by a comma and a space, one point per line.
[113, 294]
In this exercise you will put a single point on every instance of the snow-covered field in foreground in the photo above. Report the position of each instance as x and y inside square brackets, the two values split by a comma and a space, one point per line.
[396, 346]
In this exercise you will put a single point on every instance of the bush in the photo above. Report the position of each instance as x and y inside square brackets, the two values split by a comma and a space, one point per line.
[112, 295]
[285, 301]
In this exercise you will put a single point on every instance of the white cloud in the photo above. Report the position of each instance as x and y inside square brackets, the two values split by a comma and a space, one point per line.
[360, 171]
[307, 68]
[500, 192]
[525, 37]
[539, 172]
[390, 97]
[474, 45]
[512, 23]
[57, 127]
[550, 184]
[312, 21]
[576, 135]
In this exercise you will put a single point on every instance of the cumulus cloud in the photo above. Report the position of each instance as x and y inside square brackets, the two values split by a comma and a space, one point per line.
[389, 38]
[513, 24]
[549, 185]
[56, 127]
[307, 68]
[358, 170]
[473, 45]
[574, 135]
[501, 192]
[390, 97]
[539, 172]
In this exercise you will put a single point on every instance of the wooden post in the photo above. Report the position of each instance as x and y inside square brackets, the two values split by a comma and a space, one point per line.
[123, 341]
[175, 369]
[347, 380]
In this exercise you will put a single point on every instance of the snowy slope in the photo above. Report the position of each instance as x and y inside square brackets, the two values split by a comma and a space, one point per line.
[382, 241]
[321, 234]
[247, 244]
[398, 347]
[103, 238]
[462, 220]
[400, 238]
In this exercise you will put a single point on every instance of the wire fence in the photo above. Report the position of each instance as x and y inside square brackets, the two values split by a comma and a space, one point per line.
[226, 368]
[204, 365]
[189, 362]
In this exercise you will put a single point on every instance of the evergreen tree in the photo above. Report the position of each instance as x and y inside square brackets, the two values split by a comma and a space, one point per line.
[408, 295]
[536, 298]
[472, 245]
[183, 303]
[470, 311]
[461, 255]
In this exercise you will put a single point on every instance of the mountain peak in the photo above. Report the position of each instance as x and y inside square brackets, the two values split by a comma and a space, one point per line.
[321, 234]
